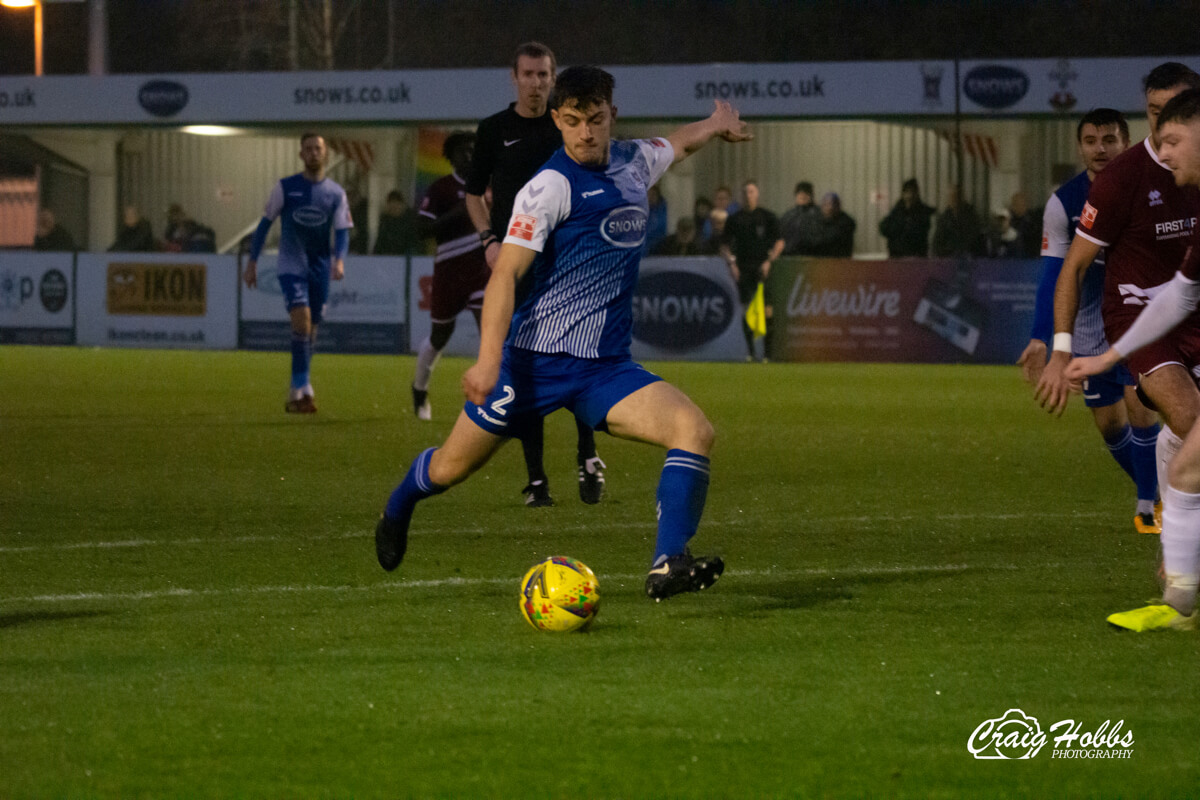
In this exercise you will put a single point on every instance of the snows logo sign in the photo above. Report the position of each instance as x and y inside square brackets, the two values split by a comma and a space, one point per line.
[1017, 735]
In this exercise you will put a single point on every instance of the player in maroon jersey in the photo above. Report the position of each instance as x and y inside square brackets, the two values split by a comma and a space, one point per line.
[1173, 311]
[1135, 210]
[460, 272]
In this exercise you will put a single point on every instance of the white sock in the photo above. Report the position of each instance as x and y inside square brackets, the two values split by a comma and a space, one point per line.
[427, 358]
[1165, 448]
[1181, 548]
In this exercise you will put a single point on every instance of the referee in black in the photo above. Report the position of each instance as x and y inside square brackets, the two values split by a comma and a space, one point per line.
[509, 149]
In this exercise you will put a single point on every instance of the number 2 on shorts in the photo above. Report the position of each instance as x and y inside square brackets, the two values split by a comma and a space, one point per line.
[499, 405]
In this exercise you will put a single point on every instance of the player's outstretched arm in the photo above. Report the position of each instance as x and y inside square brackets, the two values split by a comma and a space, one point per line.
[1033, 361]
[1053, 389]
[498, 300]
[1086, 366]
[723, 122]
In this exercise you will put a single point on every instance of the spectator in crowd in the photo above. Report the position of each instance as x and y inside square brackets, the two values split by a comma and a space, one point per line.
[1028, 225]
[397, 228]
[136, 235]
[718, 218]
[1002, 239]
[176, 216]
[798, 225]
[196, 237]
[906, 227]
[186, 235]
[750, 246]
[835, 229]
[957, 232]
[683, 242]
[723, 199]
[702, 212]
[656, 224]
[359, 235]
[49, 235]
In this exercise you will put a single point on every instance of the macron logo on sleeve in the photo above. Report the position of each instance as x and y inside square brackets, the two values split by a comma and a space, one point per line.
[522, 227]
[1088, 218]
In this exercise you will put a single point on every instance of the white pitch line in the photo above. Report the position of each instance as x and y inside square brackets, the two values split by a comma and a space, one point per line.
[437, 583]
[596, 526]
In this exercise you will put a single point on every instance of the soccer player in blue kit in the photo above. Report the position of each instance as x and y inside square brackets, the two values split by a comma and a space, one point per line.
[309, 206]
[1128, 428]
[579, 225]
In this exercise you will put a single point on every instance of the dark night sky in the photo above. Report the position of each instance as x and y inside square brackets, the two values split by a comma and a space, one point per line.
[198, 35]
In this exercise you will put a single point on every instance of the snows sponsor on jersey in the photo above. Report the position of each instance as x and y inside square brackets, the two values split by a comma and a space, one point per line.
[310, 216]
[624, 227]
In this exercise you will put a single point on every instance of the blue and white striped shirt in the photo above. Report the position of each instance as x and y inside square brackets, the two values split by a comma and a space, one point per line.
[588, 225]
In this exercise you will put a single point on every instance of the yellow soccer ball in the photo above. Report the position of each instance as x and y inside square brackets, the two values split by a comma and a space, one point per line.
[560, 594]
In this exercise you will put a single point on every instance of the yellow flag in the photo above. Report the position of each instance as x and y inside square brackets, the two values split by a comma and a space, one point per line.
[756, 313]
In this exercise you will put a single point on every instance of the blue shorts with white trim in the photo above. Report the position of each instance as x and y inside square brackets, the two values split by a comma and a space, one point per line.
[533, 385]
[1107, 388]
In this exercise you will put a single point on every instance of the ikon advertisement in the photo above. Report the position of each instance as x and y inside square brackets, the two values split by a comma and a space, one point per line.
[915, 311]
[157, 300]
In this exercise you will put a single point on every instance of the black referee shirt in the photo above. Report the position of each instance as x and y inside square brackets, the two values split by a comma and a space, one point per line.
[509, 149]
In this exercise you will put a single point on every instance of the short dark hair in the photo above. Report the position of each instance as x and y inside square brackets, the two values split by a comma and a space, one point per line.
[582, 87]
[911, 183]
[534, 50]
[1183, 107]
[804, 186]
[1102, 118]
[455, 141]
[396, 194]
[1170, 75]
[750, 182]
[304, 137]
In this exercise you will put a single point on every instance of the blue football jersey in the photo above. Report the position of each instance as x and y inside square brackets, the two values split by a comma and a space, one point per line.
[1058, 229]
[308, 214]
[588, 225]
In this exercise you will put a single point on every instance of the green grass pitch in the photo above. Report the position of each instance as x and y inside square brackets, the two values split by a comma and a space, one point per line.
[190, 604]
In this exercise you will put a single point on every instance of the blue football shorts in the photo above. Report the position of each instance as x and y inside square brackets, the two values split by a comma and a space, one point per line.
[1107, 388]
[533, 385]
[310, 290]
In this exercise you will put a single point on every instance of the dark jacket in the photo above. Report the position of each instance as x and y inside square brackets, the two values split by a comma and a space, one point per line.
[835, 236]
[137, 238]
[798, 228]
[57, 239]
[907, 230]
[958, 233]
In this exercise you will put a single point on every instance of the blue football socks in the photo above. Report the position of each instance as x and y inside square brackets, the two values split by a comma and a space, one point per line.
[1121, 448]
[301, 358]
[682, 490]
[416, 486]
[1145, 472]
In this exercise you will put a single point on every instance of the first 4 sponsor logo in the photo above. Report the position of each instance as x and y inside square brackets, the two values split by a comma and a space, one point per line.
[1016, 735]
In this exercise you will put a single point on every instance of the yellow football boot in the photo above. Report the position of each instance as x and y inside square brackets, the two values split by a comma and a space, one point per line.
[1153, 618]
[1147, 523]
